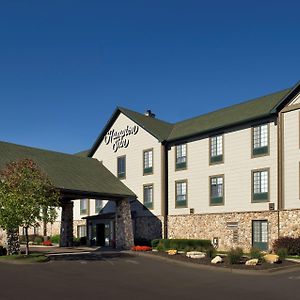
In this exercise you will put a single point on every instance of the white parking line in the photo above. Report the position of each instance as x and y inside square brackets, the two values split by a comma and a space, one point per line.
[294, 277]
[132, 262]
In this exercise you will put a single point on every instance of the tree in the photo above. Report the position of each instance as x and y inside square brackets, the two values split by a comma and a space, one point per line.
[27, 197]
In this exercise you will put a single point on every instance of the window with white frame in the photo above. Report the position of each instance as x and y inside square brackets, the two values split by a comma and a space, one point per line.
[148, 161]
[81, 231]
[217, 190]
[181, 193]
[260, 139]
[216, 149]
[260, 188]
[181, 157]
[83, 206]
[148, 196]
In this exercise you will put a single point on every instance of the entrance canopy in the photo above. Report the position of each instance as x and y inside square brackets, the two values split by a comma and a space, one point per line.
[76, 177]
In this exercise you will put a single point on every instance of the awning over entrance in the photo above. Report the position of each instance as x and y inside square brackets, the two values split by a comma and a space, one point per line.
[77, 177]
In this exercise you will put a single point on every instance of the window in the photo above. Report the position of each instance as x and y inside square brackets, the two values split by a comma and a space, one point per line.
[216, 149]
[121, 167]
[181, 193]
[217, 190]
[181, 159]
[81, 231]
[260, 185]
[36, 230]
[98, 206]
[83, 206]
[260, 234]
[148, 196]
[148, 162]
[260, 140]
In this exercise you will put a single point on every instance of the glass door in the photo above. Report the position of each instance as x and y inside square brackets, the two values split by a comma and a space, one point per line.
[260, 234]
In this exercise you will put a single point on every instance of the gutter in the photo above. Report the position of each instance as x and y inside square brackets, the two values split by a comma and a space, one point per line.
[232, 125]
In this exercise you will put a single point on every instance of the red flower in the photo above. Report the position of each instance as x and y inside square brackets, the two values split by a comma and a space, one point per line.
[47, 243]
[141, 248]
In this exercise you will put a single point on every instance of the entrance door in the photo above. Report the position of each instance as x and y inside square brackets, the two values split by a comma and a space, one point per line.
[100, 234]
[260, 234]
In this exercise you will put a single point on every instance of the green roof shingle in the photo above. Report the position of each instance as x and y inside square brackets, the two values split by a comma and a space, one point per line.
[240, 113]
[160, 129]
[68, 172]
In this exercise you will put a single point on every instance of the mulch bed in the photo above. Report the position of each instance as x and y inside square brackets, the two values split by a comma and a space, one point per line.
[225, 264]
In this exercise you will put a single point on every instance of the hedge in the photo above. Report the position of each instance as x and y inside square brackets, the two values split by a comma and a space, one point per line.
[292, 245]
[181, 244]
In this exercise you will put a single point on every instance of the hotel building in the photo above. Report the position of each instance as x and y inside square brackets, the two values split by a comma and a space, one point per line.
[231, 176]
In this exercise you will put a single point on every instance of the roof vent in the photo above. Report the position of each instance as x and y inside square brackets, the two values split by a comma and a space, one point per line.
[149, 113]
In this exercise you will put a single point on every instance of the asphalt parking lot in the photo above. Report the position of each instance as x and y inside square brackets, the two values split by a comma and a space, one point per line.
[135, 277]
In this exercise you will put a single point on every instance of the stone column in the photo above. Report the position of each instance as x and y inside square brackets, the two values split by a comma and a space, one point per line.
[124, 231]
[66, 227]
[13, 243]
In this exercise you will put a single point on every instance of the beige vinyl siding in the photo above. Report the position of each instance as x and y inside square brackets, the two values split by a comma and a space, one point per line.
[134, 161]
[237, 168]
[291, 156]
[296, 100]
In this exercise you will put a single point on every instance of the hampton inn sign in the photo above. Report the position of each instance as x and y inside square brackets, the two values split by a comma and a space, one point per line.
[120, 139]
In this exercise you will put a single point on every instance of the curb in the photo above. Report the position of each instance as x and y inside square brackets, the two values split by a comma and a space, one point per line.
[267, 272]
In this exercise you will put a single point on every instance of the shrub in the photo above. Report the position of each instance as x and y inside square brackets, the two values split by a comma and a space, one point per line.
[55, 239]
[31, 238]
[256, 253]
[211, 252]
[76, 241]
[38, 240]
[154, 243]
[282, 253]
[235, 255]
[292, 245]
[183, 244]
[3, 251]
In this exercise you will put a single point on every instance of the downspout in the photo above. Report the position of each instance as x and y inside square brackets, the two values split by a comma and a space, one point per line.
[280, 169]
[166, 193]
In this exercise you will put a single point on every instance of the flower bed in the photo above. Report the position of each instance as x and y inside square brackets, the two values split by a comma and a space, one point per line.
[47, 243]
[226, 262]
[141, 248]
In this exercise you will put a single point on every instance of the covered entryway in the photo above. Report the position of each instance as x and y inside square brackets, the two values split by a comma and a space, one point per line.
[101, 230]
[78, 178]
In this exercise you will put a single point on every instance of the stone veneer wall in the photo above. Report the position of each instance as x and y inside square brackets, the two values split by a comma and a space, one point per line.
[205, 226]
[2, 237]
[148, 227]
[208, 226]
[290, 223]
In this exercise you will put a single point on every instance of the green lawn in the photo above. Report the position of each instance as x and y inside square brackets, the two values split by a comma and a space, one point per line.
[21, 258]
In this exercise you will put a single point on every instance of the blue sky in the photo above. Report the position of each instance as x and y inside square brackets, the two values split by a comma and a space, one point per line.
[66, 65]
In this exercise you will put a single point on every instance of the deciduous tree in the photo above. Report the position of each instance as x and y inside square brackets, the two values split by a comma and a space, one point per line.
[27, 197]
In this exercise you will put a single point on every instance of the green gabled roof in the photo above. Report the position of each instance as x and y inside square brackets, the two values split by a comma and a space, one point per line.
[158, 128]
[68, 172]
[83, 153]
[233, 115]
[255, 109]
